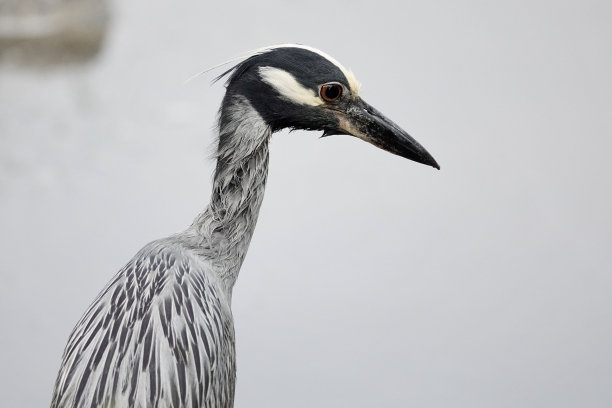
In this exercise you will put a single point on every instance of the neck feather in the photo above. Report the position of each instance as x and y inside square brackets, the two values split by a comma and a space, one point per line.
[223, 231]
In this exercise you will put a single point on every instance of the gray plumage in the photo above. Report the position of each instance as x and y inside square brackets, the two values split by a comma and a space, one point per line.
[161, 332]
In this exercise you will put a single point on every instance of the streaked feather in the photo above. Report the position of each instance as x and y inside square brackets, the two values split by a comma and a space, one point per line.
[159, 334]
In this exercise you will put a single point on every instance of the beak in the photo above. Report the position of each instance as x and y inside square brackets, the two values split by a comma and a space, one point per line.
[363, 121]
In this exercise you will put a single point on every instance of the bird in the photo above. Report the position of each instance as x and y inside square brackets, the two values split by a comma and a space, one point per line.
[161, 332]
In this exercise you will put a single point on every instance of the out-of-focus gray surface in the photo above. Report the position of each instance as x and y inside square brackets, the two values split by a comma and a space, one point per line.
[371, 280]
[47, 32]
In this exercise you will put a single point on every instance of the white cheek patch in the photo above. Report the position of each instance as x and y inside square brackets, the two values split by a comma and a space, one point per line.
[286, 85]
[354, 84]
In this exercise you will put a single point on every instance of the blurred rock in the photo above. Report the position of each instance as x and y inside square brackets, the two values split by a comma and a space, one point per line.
[49, 32]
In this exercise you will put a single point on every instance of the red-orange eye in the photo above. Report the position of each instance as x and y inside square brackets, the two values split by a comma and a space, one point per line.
[331, 92]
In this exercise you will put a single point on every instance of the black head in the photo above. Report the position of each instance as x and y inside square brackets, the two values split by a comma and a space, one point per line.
[299, 87]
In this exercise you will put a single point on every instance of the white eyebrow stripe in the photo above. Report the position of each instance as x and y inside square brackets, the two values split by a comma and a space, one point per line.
[286, 85]
[353, 83]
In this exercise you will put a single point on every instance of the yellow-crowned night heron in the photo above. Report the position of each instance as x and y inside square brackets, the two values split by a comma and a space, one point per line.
[161, 332]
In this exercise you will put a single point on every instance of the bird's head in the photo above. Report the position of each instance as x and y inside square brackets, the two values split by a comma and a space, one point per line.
[299, 87]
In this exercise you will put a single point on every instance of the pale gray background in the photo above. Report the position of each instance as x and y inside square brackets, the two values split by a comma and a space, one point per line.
[371, 280]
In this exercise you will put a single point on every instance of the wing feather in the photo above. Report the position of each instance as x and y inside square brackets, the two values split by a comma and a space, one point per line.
[159, 334]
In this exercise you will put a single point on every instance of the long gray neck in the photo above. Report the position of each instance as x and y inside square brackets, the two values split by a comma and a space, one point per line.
[223, 231]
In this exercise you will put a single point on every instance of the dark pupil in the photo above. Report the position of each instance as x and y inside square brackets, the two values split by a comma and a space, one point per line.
[332, 91]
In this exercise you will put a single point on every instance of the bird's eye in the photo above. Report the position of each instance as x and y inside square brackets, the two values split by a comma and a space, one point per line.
[331, 92]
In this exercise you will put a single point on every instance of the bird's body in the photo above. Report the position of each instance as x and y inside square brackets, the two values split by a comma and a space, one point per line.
[161, 332]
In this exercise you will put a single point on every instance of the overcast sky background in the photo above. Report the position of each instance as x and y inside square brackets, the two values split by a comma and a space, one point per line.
[371, 280]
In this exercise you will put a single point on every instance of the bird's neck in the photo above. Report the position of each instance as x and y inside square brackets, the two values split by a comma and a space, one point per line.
[223, 231]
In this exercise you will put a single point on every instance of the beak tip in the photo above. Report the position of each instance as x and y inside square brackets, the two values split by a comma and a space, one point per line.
[430, 161]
